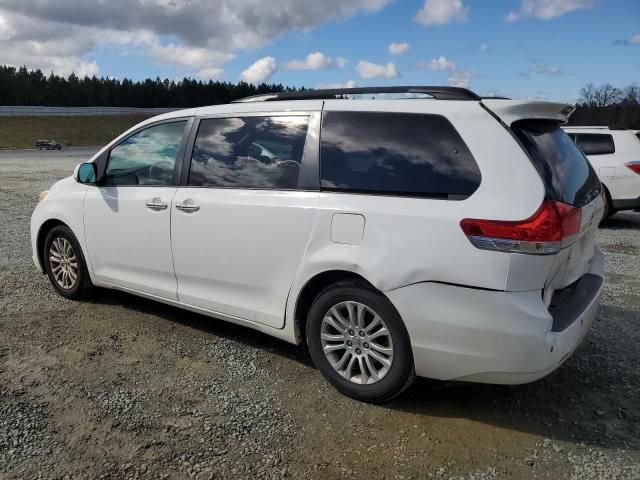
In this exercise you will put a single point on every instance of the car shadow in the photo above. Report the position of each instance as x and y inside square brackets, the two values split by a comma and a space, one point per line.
[576, 403]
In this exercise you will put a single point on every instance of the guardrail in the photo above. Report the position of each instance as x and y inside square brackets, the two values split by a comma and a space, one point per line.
[24, 111]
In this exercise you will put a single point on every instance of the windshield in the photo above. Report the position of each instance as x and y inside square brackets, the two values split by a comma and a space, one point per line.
[566, 172]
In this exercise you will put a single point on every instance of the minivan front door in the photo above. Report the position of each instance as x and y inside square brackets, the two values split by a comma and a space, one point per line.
[127, 217]
[241, 224]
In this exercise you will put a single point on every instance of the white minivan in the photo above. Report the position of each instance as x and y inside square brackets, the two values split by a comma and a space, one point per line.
[614, 153]
[449, 237]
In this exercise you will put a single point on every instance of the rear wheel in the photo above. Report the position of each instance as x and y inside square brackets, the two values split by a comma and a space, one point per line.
[358, 341]
[65, 265]
[609, 211]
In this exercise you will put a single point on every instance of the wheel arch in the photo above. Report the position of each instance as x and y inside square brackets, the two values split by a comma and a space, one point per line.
[313, 287]
[44, 229]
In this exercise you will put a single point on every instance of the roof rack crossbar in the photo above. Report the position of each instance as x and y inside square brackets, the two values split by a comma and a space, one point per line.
[438, 93]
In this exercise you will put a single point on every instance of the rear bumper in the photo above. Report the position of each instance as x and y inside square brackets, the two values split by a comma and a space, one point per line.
[627, 204]
[466, 334]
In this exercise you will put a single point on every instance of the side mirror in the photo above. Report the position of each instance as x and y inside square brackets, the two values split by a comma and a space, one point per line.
[85, 173]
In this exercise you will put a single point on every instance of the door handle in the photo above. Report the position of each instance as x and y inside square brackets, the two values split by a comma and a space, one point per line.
[156, 204]
[187, 206]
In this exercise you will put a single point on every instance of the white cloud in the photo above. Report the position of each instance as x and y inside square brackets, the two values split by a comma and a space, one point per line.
[399, 48]
[439, 64]
[201, 37]
[347, 84]
[260, 71]
[634, 40]
[441, 12]
[27, 42]
[210, 73]
[455, 76]
[484, 48]
[548, 9]
[316, 61]
[368, 70]
[512, 17]
[186, 56]
[459, 78]
[549, 70]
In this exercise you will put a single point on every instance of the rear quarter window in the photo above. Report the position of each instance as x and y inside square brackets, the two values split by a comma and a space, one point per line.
[395, 154]
[595, 143]
[565, 171]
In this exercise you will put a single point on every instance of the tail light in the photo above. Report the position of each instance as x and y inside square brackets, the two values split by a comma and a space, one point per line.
[552, 227]
[633, 166]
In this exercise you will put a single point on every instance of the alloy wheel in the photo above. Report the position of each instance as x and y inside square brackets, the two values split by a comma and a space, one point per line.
[63, 261]
[356, 342]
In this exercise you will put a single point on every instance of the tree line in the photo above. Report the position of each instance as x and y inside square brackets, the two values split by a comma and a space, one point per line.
[608, 105]
[21, 86]
[597, 105]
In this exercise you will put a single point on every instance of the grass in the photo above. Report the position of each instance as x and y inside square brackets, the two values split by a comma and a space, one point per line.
[22, 132]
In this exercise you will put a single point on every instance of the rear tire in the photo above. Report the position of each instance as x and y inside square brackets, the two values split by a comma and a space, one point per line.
[609, 211]
[65, 264]
[347, 321]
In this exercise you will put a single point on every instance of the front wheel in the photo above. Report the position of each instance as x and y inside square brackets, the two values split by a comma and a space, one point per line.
[65, 265]
[358, 341]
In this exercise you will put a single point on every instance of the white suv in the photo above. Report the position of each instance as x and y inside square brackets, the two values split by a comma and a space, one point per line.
[615, 156]
[450, 237]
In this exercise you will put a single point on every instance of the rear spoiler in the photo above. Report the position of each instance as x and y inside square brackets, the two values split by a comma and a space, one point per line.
[510, 111]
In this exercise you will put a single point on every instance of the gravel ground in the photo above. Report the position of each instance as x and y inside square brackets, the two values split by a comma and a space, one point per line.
[122, 387]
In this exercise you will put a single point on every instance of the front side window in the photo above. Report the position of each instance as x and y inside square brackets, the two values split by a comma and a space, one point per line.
[395, 154]
[249, 152]
[147, 157]
[595, 143]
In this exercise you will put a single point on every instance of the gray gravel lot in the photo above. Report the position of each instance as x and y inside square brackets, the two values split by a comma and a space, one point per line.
[122, 387]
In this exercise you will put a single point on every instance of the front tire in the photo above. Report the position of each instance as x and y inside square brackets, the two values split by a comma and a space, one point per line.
[65, 264]
[358, 341]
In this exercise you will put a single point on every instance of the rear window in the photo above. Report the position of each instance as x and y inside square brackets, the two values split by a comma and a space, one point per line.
[566, 172]
[395, 154]
[595, 143]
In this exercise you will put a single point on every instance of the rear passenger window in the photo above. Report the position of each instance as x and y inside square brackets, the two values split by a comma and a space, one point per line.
[595, 143]
[395, 154]
[249, 152]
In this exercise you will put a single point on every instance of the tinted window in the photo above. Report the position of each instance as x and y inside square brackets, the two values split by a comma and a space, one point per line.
[566, 172]
[595, 144]
[249, 152]
[147, 157]
[395, 153]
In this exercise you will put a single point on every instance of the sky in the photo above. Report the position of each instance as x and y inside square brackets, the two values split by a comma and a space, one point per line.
[542, 49]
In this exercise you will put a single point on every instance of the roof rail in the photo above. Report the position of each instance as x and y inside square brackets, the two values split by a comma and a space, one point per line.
[597, 127]
[439, 93]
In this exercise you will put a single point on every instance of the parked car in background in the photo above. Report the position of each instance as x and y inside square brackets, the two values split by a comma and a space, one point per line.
[48, 145]
[614, 153]
[448, 237]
